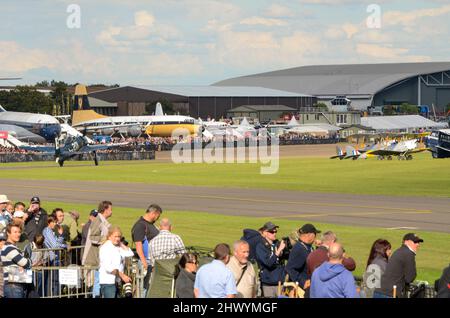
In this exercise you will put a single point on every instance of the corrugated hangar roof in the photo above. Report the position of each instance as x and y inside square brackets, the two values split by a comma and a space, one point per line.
[351, 79]
[261, 108]
[399, 122]
[218, 91]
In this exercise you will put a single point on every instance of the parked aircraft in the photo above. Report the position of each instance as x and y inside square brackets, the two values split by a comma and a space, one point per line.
[403, 150]
[161, 125]
[43, 125]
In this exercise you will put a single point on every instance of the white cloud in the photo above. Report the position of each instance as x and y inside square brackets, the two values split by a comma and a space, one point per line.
[17, 59]
[410, 18]
[278, 11]
[263, 21]
[389, 53]
[145, 31]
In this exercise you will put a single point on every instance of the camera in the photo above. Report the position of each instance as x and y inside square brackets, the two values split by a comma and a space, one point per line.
[127, 290]
[287, 250]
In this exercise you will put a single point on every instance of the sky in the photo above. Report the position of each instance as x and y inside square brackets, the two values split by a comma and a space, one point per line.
[199, 42]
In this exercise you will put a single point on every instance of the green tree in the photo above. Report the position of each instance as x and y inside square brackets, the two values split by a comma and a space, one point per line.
[26, 99]
[60, 96]
[409, 109]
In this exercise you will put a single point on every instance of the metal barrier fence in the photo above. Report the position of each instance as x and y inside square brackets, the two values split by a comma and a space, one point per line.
[59, 274]
[103, 156]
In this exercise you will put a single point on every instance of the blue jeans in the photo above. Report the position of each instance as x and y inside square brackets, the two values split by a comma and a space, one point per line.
[12, 290]
[108, 291]
[380, 295]
[96, 289]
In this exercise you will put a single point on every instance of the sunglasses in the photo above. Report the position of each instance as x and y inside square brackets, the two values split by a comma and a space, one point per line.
[273, 232]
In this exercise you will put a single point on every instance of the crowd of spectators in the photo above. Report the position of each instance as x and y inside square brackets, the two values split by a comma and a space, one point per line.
[305, 264]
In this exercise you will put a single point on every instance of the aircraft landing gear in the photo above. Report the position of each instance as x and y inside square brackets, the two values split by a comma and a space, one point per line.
[95, 158]
[61, 163]
[409, 157]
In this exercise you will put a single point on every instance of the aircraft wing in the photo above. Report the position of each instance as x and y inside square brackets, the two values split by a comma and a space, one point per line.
[87, 127]
[91, 148]
[384, 152]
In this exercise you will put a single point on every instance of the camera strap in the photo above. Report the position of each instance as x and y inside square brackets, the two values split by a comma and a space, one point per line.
[242, 274]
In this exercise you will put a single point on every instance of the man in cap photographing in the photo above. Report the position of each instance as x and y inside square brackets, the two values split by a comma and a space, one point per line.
[268, 258]
[37, 219]
[400, 270]
[297, 266]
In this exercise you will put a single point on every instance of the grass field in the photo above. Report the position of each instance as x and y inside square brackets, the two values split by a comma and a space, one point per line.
[206, 230]
[422, 176]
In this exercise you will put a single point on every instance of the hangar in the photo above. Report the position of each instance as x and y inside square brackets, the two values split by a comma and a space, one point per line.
[365, 85]
[199, 101]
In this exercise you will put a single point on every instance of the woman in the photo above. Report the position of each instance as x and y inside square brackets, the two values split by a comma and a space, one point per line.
[185, 275]
[14, 264]
[376, 266]
[112, 255]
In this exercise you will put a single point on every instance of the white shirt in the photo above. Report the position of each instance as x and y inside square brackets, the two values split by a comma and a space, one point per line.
[111, 258]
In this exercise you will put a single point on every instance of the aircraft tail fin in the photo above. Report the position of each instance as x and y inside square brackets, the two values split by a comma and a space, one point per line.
[351, 152]
[2, 110]
[82, 111]
[159, 110]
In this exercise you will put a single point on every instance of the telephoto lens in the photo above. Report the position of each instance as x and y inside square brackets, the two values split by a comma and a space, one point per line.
[127, 290]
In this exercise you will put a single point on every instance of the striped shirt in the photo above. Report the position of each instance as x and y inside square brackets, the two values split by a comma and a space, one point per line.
[12, 256]
[165, 245]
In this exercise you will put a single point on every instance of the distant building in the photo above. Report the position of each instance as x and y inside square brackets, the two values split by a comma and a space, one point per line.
[200, 101]
[364, 84]
[261, 112]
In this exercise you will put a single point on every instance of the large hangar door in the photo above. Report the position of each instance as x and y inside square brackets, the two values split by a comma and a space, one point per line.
[442, 98]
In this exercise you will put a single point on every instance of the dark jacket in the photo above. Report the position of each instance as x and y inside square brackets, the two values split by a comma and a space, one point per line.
[32, 229]
[444, 284]
[252, 237]
[296, 265]
[400, 270]
[320, 255]
[184, 284]
[271, 270]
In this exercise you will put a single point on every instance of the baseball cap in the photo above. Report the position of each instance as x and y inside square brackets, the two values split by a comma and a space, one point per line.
[94, 213]
[412, 237]
[269, 226]
[308, 228]
[18, 214]
[35, 200]
[3, 198]
[75, 214]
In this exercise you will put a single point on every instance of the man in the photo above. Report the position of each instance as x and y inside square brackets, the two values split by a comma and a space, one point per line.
[97, 234]
[2, 243]
[243, 271]
[85, 229]
[12, 259]
[59, 216]
[332, 279]
[24, 244]
[268, 257]
[215, 280]
[142, 233]
[296, 266]
[70, 221]
[320, 255]
[37, 219]
[165, 245]
[5, 216]
[252, 237]
[401, 269]
[443, 284]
